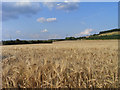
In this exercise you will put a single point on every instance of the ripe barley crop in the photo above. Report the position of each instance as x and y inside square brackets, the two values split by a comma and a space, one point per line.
[67, 64]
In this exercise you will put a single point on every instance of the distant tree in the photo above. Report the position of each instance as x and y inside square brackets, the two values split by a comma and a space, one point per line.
[70, 38]
[17, 39]
[94, 34]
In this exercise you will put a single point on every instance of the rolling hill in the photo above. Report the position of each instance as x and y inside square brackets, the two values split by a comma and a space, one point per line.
[110, 32]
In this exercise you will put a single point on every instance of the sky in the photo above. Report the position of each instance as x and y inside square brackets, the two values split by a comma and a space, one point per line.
[54, 20]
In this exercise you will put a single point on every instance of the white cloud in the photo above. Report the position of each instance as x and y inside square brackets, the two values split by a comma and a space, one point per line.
[15, 9]
[68, 6]
[72, 0]
[51, 19]
[45, 30]
[85, 32]
[42, 20]
[65, 6]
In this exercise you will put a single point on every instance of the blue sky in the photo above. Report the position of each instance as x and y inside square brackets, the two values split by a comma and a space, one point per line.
[30, 20]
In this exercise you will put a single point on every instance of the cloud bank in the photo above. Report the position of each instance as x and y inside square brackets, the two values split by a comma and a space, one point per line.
[14, 10]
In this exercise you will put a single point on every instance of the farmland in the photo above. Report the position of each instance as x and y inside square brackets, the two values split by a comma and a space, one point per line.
[64, 64]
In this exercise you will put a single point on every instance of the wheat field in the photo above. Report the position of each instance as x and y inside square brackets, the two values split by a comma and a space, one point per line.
[64, 64]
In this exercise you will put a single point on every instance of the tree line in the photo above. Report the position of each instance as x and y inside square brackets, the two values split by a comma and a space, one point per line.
[96, 36]
[91, 37]
[113, 30]
[17, 41]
